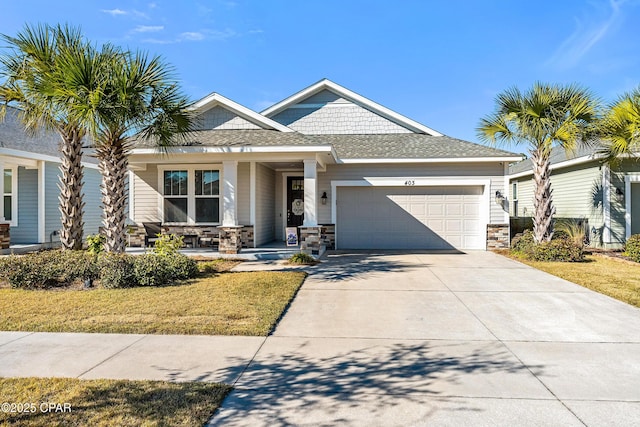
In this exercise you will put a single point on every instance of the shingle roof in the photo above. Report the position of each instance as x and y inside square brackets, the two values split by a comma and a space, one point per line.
[558, 154]
[14, 136]
[238, 137]
[406, 145]
[371, 146]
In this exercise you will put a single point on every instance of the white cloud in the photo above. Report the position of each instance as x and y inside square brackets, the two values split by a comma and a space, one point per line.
[148, 28]
[585, 37]
[192, 36]
[114, 12]
[152, 5]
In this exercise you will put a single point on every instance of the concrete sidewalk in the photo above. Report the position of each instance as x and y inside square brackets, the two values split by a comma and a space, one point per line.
[123, 356]
[393, 340]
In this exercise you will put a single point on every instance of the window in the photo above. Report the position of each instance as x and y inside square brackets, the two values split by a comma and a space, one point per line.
[175, 196]
[191, 196]
[514, 197]
[10, 198]
[207, 196]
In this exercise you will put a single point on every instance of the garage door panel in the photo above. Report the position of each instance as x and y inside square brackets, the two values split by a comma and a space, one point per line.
[409, 218]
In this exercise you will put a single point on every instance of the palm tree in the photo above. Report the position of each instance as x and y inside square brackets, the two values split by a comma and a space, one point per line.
[33, 80]
[140, 98]
[620, 127]
[543, 117]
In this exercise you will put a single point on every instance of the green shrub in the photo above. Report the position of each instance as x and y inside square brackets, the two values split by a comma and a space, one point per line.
[559, 249]
[181, 267]
[158, 270]
[48, 269]
[116, 270]
[524, 243]
[168, 244]
[151, 270]
[632, 247]
[95, 243]
[301, 258]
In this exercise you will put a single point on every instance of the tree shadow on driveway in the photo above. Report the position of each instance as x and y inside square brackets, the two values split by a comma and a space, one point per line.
[312, 375]
[356, 265]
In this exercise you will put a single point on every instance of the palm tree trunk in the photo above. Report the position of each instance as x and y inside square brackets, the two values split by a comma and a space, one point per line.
[542, 201]
[113, 167]
[70, 186]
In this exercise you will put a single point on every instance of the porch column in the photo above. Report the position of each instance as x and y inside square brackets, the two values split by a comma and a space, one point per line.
[230, 231]
[310, 190]
[229, 199]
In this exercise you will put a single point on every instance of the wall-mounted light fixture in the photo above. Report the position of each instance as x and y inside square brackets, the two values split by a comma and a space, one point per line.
[619, 194]
[499, 197]
[324, 198]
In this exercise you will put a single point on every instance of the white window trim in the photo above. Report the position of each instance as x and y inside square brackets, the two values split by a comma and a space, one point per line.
[485, 210]
[191, 192]
[14, 194]
[630, 178]
[514, 198]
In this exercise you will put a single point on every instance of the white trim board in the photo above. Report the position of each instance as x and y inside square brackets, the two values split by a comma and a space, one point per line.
[630, 178]
[433, 160]
[286, 175]
[563, 164]
[215, 99]
[35, 157]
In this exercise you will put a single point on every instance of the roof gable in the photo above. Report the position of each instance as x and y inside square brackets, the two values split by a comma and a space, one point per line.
[218, 112]
[327, 93]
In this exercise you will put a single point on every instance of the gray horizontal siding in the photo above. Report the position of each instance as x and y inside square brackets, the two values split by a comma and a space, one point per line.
[92, 199]
[577, 193]
[265, 205]
[27, 229]
[243, 193]
[145, 197]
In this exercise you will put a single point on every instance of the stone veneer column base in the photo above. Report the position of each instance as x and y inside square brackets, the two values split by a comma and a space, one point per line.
[497, 236]
[230, 239]
[5, 236]
[311, 240]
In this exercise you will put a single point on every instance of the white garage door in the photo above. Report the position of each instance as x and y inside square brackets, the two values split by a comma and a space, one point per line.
[409, 218]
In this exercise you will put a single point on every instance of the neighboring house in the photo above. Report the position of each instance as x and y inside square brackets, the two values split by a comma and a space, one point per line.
[347, 172]
[585, 188]
[31, 168]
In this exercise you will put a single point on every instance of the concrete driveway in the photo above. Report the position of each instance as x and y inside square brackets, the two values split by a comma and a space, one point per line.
[396, 339]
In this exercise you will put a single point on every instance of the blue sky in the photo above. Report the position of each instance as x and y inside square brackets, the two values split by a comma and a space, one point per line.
[438, 62]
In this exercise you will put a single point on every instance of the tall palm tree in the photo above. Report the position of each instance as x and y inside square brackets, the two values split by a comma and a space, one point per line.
[33, 80]
[543, 117]
[620, 127]
[139, 98]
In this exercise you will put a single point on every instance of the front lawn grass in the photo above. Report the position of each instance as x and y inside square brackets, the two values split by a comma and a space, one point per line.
[108, 402]
[225, 304]
[619, 280]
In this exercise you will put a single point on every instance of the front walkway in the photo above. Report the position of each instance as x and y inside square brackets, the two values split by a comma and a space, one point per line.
[393, 340]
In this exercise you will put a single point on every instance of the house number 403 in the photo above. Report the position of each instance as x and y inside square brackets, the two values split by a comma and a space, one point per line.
[410, 182]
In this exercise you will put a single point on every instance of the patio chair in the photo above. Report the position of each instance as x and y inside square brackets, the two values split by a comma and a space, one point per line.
[152, 230]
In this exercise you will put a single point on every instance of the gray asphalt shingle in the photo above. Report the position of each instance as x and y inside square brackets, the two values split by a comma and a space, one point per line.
[369, 146]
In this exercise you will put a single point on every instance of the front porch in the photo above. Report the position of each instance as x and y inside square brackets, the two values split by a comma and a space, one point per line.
[235, 201]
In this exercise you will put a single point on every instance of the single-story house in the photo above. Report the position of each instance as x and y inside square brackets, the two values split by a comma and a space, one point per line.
[29, 214]
[608, 197]
[346, 172]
